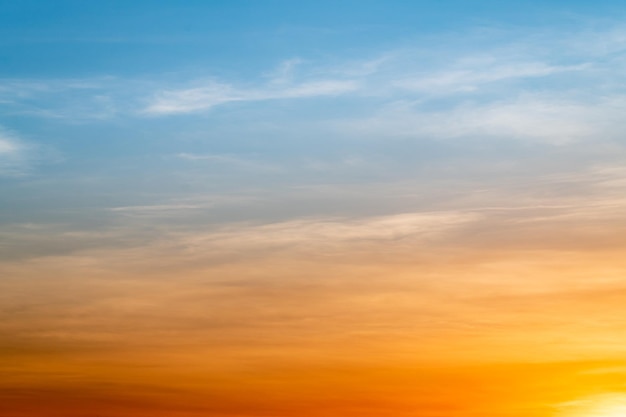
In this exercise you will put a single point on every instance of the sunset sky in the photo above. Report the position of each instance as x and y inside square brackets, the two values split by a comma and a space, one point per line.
[346, 208]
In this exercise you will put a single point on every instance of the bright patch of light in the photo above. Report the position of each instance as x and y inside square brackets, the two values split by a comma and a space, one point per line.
[609, 405]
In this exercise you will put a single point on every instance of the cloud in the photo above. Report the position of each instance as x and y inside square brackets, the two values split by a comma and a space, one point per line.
[285, 72]
[327, 234]
[231, 161]
[481, 72]
[471, 76]
[526, 88]
[215, 93]
[396, 279]
[539, 88]
[65, 99]
[14, 154]
[8, 147]
[157, 210]
[536, 117]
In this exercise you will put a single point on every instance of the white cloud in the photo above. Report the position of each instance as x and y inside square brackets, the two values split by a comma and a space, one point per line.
[466, 78]
[539, 118]
[500, 77]
[192, 99]
[539, 87]
[215, 93]
[285, 72]
[13, 154]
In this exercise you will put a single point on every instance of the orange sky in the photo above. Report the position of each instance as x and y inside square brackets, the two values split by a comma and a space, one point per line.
[385, 316]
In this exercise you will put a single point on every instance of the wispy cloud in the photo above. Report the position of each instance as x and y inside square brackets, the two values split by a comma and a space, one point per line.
[470, 76]
[70, 100]
[14, 154]
[540, 118]
[487, 72]
[215, 93]
[233, 161]
[155, 209]
[519, 88]
[328, 233]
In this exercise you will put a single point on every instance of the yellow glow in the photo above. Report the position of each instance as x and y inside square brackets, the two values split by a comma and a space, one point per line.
[610, 405]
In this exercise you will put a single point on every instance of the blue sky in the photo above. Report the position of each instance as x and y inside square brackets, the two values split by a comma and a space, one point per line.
[74, 38]
[265, 111]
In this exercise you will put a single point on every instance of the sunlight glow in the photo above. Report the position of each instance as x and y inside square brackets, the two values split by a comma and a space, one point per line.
[609, 405]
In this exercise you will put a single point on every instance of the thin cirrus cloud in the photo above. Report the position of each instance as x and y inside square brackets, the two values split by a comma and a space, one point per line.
[535, 117]
[232, 161]
[64, 99]
[470, 76]
[368, 261]
[489, 73]
[508, 90]
[327, 233]
[214, 94]
[385, 78]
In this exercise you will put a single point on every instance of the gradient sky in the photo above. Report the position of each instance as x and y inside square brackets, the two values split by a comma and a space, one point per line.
[312, 209]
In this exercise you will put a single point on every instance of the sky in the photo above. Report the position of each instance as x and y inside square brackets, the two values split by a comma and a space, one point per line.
[314, 209]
